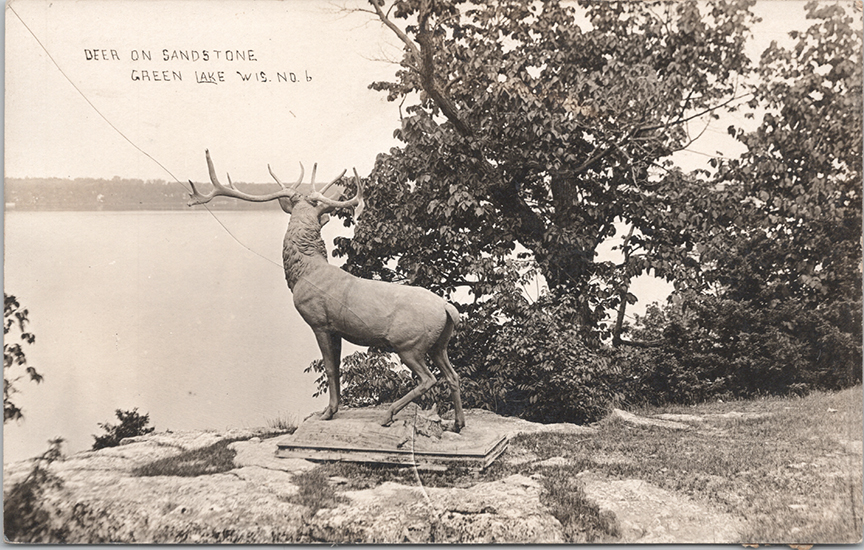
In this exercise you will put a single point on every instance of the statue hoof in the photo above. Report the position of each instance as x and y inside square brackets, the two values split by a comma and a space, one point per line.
[327, 413]
[387, 419]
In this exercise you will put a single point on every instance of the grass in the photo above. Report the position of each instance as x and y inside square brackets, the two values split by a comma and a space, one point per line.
[314, 491]
[212, 459]
[789, 473]
[282, 424]
[582, 520]
[209, 460]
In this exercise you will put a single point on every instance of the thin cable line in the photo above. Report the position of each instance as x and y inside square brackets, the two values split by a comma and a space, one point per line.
[129, 141]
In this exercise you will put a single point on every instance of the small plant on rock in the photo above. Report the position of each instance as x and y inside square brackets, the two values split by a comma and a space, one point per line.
[131, 424]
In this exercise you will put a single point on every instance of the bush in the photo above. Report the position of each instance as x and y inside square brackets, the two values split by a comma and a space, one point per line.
[131, 424]
[716, 347]
[545, 371]
[27, 516]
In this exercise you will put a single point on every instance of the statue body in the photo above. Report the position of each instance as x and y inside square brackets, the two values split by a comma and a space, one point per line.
[411, 321]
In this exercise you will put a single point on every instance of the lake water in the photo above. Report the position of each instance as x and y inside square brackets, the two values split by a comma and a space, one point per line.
[163, 311]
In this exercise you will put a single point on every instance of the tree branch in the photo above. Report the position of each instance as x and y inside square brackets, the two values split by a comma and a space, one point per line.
[622, 308]
[415, 53]
[691, 117]
[427, 74]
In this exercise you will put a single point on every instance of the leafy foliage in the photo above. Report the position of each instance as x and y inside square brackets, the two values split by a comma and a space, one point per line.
[800, 178]
[782, 311]
[131, 424]
[15, 317]
[716, 347]
[537, 365]
[368, 378]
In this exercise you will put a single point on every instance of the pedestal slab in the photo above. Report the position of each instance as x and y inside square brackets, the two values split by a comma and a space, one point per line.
[414, 438]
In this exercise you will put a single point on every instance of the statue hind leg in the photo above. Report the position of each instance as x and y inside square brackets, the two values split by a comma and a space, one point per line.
[439, 357]
[415, 361]
[442, 361]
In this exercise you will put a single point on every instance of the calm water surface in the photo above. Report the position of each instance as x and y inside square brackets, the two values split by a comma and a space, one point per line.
[163, 311]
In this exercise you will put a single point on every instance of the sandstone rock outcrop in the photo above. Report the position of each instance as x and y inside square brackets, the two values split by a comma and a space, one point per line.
[254, 498]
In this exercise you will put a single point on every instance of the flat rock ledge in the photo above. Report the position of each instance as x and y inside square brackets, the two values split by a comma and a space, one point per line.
[503, 511]
[101, 500]
[647, 514]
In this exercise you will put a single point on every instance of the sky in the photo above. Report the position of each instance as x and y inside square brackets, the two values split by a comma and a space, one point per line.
[88, 116]
[99, 121]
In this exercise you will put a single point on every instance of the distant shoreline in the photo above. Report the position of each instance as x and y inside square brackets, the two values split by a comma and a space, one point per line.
[114, 195]
[11, 207]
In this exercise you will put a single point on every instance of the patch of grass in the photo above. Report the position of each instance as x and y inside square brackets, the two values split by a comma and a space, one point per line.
[314, 491]
[582, 520]
[212, 459]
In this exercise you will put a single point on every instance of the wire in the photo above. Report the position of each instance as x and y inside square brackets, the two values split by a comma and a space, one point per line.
[125, 137]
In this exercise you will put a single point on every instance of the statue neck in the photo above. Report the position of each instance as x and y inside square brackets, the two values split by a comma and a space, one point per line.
[303, 247]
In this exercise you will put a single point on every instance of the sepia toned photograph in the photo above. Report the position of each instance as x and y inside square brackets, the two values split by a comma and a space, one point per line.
[433, 271]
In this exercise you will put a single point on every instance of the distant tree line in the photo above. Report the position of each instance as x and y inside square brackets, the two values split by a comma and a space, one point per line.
[115, 194]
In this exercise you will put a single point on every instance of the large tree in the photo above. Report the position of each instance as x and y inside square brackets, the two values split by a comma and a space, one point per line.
[534, 131]
[538, 128]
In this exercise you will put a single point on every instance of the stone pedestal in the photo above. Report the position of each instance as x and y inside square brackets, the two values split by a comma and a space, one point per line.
[415, 437]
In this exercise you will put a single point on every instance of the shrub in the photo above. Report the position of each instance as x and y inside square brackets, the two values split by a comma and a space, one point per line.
[26, 513]
[711, 346]
[131, 424]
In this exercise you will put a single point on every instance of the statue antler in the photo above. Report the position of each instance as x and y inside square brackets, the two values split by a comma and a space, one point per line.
[229, 190]
[357, 202]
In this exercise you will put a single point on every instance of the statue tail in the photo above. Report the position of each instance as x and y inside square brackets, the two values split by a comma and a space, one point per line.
[452, 313]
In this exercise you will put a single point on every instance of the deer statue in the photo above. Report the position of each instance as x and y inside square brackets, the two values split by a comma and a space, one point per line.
[410, 320]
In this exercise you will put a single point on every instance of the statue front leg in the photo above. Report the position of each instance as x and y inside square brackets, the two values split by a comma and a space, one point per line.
[331, 351]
